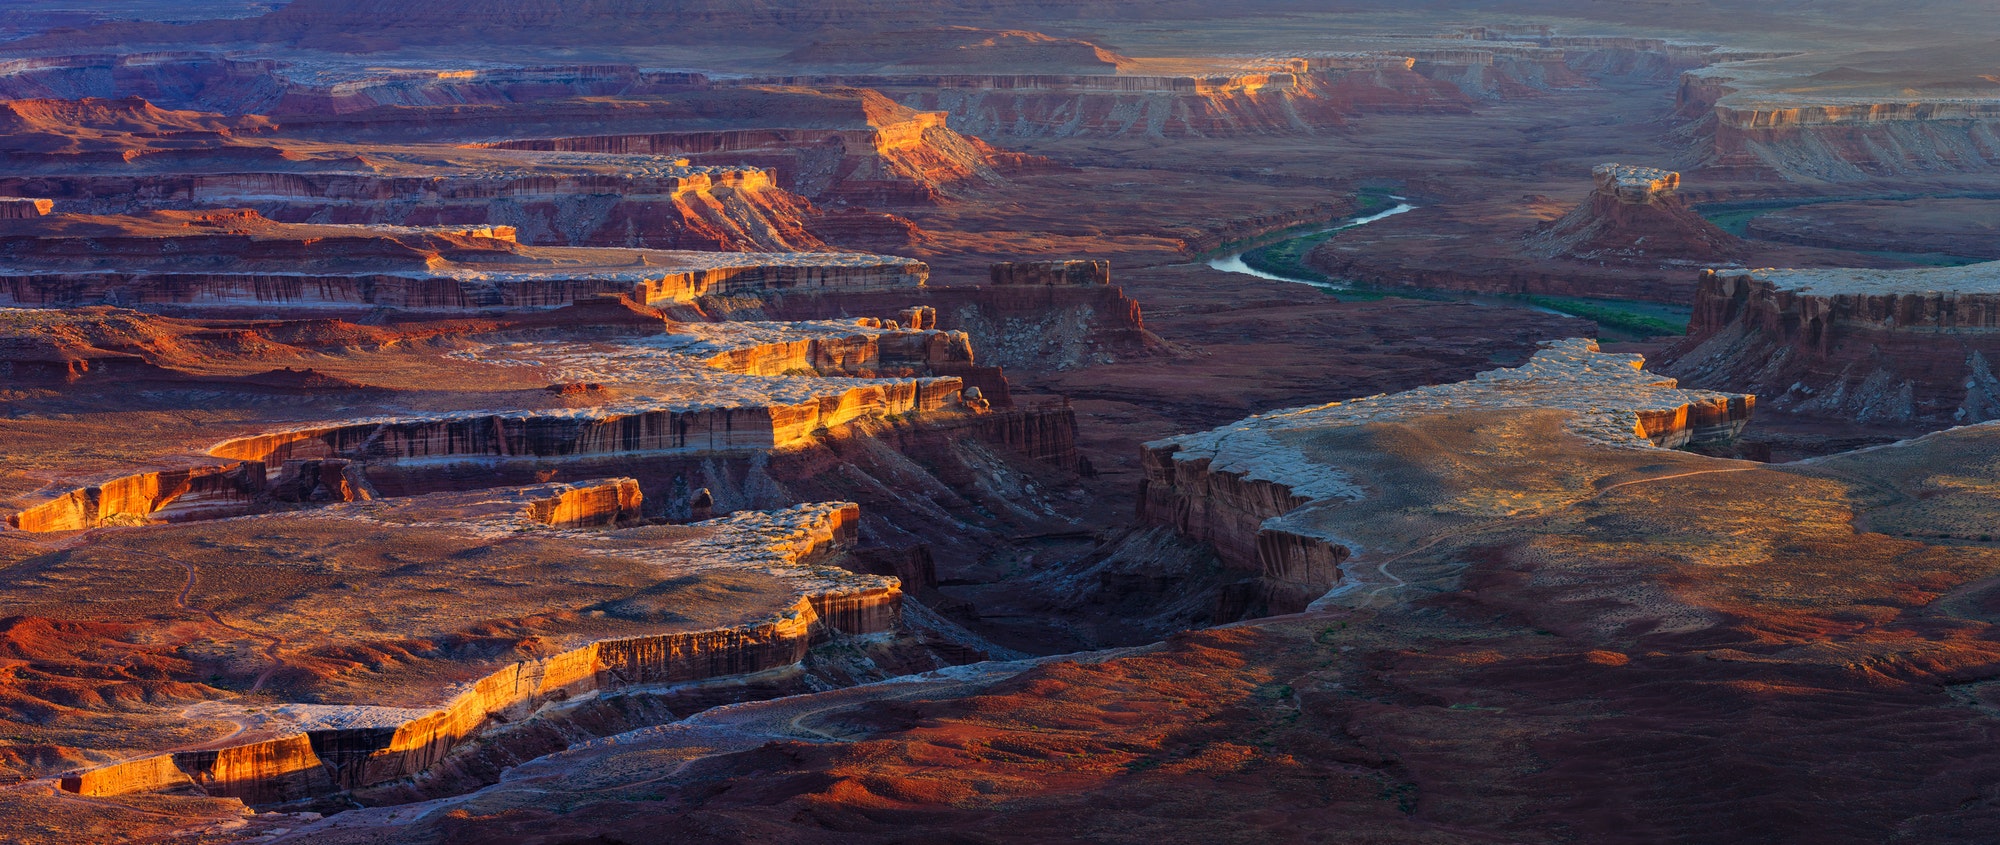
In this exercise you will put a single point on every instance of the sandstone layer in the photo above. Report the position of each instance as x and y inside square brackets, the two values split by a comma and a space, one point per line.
[1254, 492]
[242, 258]
[1903, 346]
[356, 734]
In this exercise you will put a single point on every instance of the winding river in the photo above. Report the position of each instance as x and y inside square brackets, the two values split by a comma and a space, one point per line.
[1233, 262]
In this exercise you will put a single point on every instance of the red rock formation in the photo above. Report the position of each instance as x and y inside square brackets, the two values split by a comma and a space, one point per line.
[206, 492]
[365, 747]
[1254, 493]
[225, 257]
[585, 505]
[867, 355]
[902, 158]
[271, 772]
[147, 774]
[15, 208]
[1070, 272]
[1905, 347]
[690, 431]
[1289, 97]
[1634, 214]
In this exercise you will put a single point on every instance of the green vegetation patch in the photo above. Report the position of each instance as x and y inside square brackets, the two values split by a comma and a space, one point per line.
[1620, 318]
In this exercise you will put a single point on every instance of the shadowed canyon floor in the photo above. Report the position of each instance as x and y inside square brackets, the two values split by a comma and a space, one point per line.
[599, 422]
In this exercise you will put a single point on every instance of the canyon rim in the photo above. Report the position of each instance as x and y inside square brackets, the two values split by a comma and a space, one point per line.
[879, 421]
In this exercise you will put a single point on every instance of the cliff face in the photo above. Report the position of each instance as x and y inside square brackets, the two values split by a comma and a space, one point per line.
[730, 209]
[912, 159]
[241, 257]
[1912, 346]
[1255, 492]
[1053, 273]
[1289, 98]
[332, 748]
[1808, 129]
[692, 431]
[206, 492]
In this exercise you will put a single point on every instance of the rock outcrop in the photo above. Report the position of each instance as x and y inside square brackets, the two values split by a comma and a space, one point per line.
[16, 208]
[170, 495]
[1634, 215]
[665, 204]
[1053, 273]
[1285, 96]
[241, 257]
[838, 144]
[315, 750]
[1254, 492]
[692, 429]
[1888, 114]
[1888, 346]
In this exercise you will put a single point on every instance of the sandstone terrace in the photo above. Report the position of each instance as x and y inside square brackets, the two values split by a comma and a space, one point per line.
[240, 257]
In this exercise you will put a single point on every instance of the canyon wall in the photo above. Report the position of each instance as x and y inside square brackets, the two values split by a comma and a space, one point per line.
[728, 209]
[172, 495]
[420, 291]
[862, 355]
[371, 746]
[1800, 137]
[1255, 492]
[1913, 346]
[893, 161]
[524, 435]
[1285, 100]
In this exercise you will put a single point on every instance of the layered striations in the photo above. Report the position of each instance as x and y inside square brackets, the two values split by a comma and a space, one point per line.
[1890, 346]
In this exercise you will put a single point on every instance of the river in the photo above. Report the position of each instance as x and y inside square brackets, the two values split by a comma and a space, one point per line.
[1233, 262]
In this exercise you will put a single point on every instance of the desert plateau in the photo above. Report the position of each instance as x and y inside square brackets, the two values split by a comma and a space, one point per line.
[613, 422]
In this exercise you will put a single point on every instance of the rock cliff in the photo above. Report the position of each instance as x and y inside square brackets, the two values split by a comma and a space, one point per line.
[1891, 346]
[14, 208]
[1293, 96]
[203, 492]
[1059, 273]
[694, 429]
[240, 257]
[1884, 113]
[314, 750]
[1254, 492]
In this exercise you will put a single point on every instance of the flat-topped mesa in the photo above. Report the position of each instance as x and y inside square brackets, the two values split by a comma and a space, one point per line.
[1072, 272]
[17, 208]
[414, 725]
[1253, 490]
[230, 258]
[1888, 346]
[1634, 215]
[1634, 184]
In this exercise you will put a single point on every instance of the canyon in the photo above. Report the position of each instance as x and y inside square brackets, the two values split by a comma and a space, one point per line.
[1006, 422]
